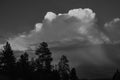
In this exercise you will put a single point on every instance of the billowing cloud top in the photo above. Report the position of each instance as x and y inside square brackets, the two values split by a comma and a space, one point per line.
[84, 15]
[50, 16]
[38, 27]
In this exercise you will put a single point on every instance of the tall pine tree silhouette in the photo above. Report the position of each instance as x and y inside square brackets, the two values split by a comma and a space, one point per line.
[63, 68]
[8, 59]
[44, 56]
[73, 75]
[23, 66]
[24, 59]
[32, 65]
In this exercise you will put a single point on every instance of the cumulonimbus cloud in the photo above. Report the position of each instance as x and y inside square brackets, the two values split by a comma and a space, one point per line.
[74, 29]
[80, 23]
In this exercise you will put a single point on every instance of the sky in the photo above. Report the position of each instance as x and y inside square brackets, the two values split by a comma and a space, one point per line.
[86, 31]
[22, 15]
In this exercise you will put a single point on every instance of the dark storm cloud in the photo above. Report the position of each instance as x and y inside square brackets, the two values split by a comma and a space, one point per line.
[81, 53]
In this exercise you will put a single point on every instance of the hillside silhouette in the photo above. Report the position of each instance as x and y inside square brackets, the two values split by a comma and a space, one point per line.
[39, 68]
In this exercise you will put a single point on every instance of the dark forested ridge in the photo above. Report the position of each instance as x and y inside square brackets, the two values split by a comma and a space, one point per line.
[39, 68]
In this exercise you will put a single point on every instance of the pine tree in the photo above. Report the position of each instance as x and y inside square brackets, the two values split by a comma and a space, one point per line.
[63, 68]
[116, 75]
[1, 61]
[8, 59]
[23, 63]
[24, 58]
[44, 56]
[73, 75]
[32, 65]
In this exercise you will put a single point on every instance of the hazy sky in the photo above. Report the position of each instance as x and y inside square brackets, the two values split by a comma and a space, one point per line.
[17, 16]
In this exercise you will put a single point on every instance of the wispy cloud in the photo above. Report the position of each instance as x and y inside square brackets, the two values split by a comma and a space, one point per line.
[113, 30]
